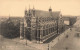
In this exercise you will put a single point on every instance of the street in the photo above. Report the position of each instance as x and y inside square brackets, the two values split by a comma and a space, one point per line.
[72, 42]
[69, 42]
[8, 44]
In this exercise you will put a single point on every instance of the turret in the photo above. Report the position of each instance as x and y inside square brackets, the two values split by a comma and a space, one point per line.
[25, 11]
[50, 10]
[29, 12]
[33, 11]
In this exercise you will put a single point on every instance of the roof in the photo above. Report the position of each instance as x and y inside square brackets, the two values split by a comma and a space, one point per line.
[40, 13]
[67, 17]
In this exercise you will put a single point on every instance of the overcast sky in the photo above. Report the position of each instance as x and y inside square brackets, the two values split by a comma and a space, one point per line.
[17, 7]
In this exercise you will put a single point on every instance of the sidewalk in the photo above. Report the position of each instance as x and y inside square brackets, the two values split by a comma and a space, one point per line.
[43, 46]
[59, 38]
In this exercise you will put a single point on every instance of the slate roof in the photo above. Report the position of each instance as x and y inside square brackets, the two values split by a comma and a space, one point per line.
[41, 13]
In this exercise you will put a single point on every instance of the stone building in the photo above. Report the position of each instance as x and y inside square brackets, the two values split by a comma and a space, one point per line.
[69, 20]
[41, 25]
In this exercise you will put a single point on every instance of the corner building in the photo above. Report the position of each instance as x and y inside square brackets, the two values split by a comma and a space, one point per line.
[42, 25]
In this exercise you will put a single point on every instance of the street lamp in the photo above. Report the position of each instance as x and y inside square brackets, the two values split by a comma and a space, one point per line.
[25, 25]
[48, 46]
[57, 25]
[25, 36]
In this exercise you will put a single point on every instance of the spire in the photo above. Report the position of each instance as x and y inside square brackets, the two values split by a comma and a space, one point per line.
[33, 11]
[25, 8]
[29, 6]
[33, 7]
[9, 16]
[25, 11]
[50, 9]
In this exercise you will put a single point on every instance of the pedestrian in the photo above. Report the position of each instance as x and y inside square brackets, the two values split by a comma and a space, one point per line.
[66, 48]
[26, 42]
[67, 36]
[70, 29]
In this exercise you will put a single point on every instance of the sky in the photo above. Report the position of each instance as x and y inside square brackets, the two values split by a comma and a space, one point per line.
[17, 7]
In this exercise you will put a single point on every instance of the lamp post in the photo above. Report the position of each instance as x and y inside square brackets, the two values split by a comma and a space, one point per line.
[25, 25]
[25, 35]
[21, 30]
[57, 26]
[48, 46]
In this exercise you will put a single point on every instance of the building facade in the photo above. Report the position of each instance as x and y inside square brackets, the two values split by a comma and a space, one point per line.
[41, 25]
[69, 20]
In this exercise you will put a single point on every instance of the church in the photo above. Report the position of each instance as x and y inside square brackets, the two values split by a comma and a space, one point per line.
[38, 25]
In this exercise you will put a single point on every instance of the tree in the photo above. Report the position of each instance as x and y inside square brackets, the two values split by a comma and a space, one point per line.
[9, 30]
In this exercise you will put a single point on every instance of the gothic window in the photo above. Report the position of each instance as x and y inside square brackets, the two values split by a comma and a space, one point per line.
[29, 14]
[47, 19]
[38, 33]
[39, 19]
[47, 31]
[43, 32]
[52, 29]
